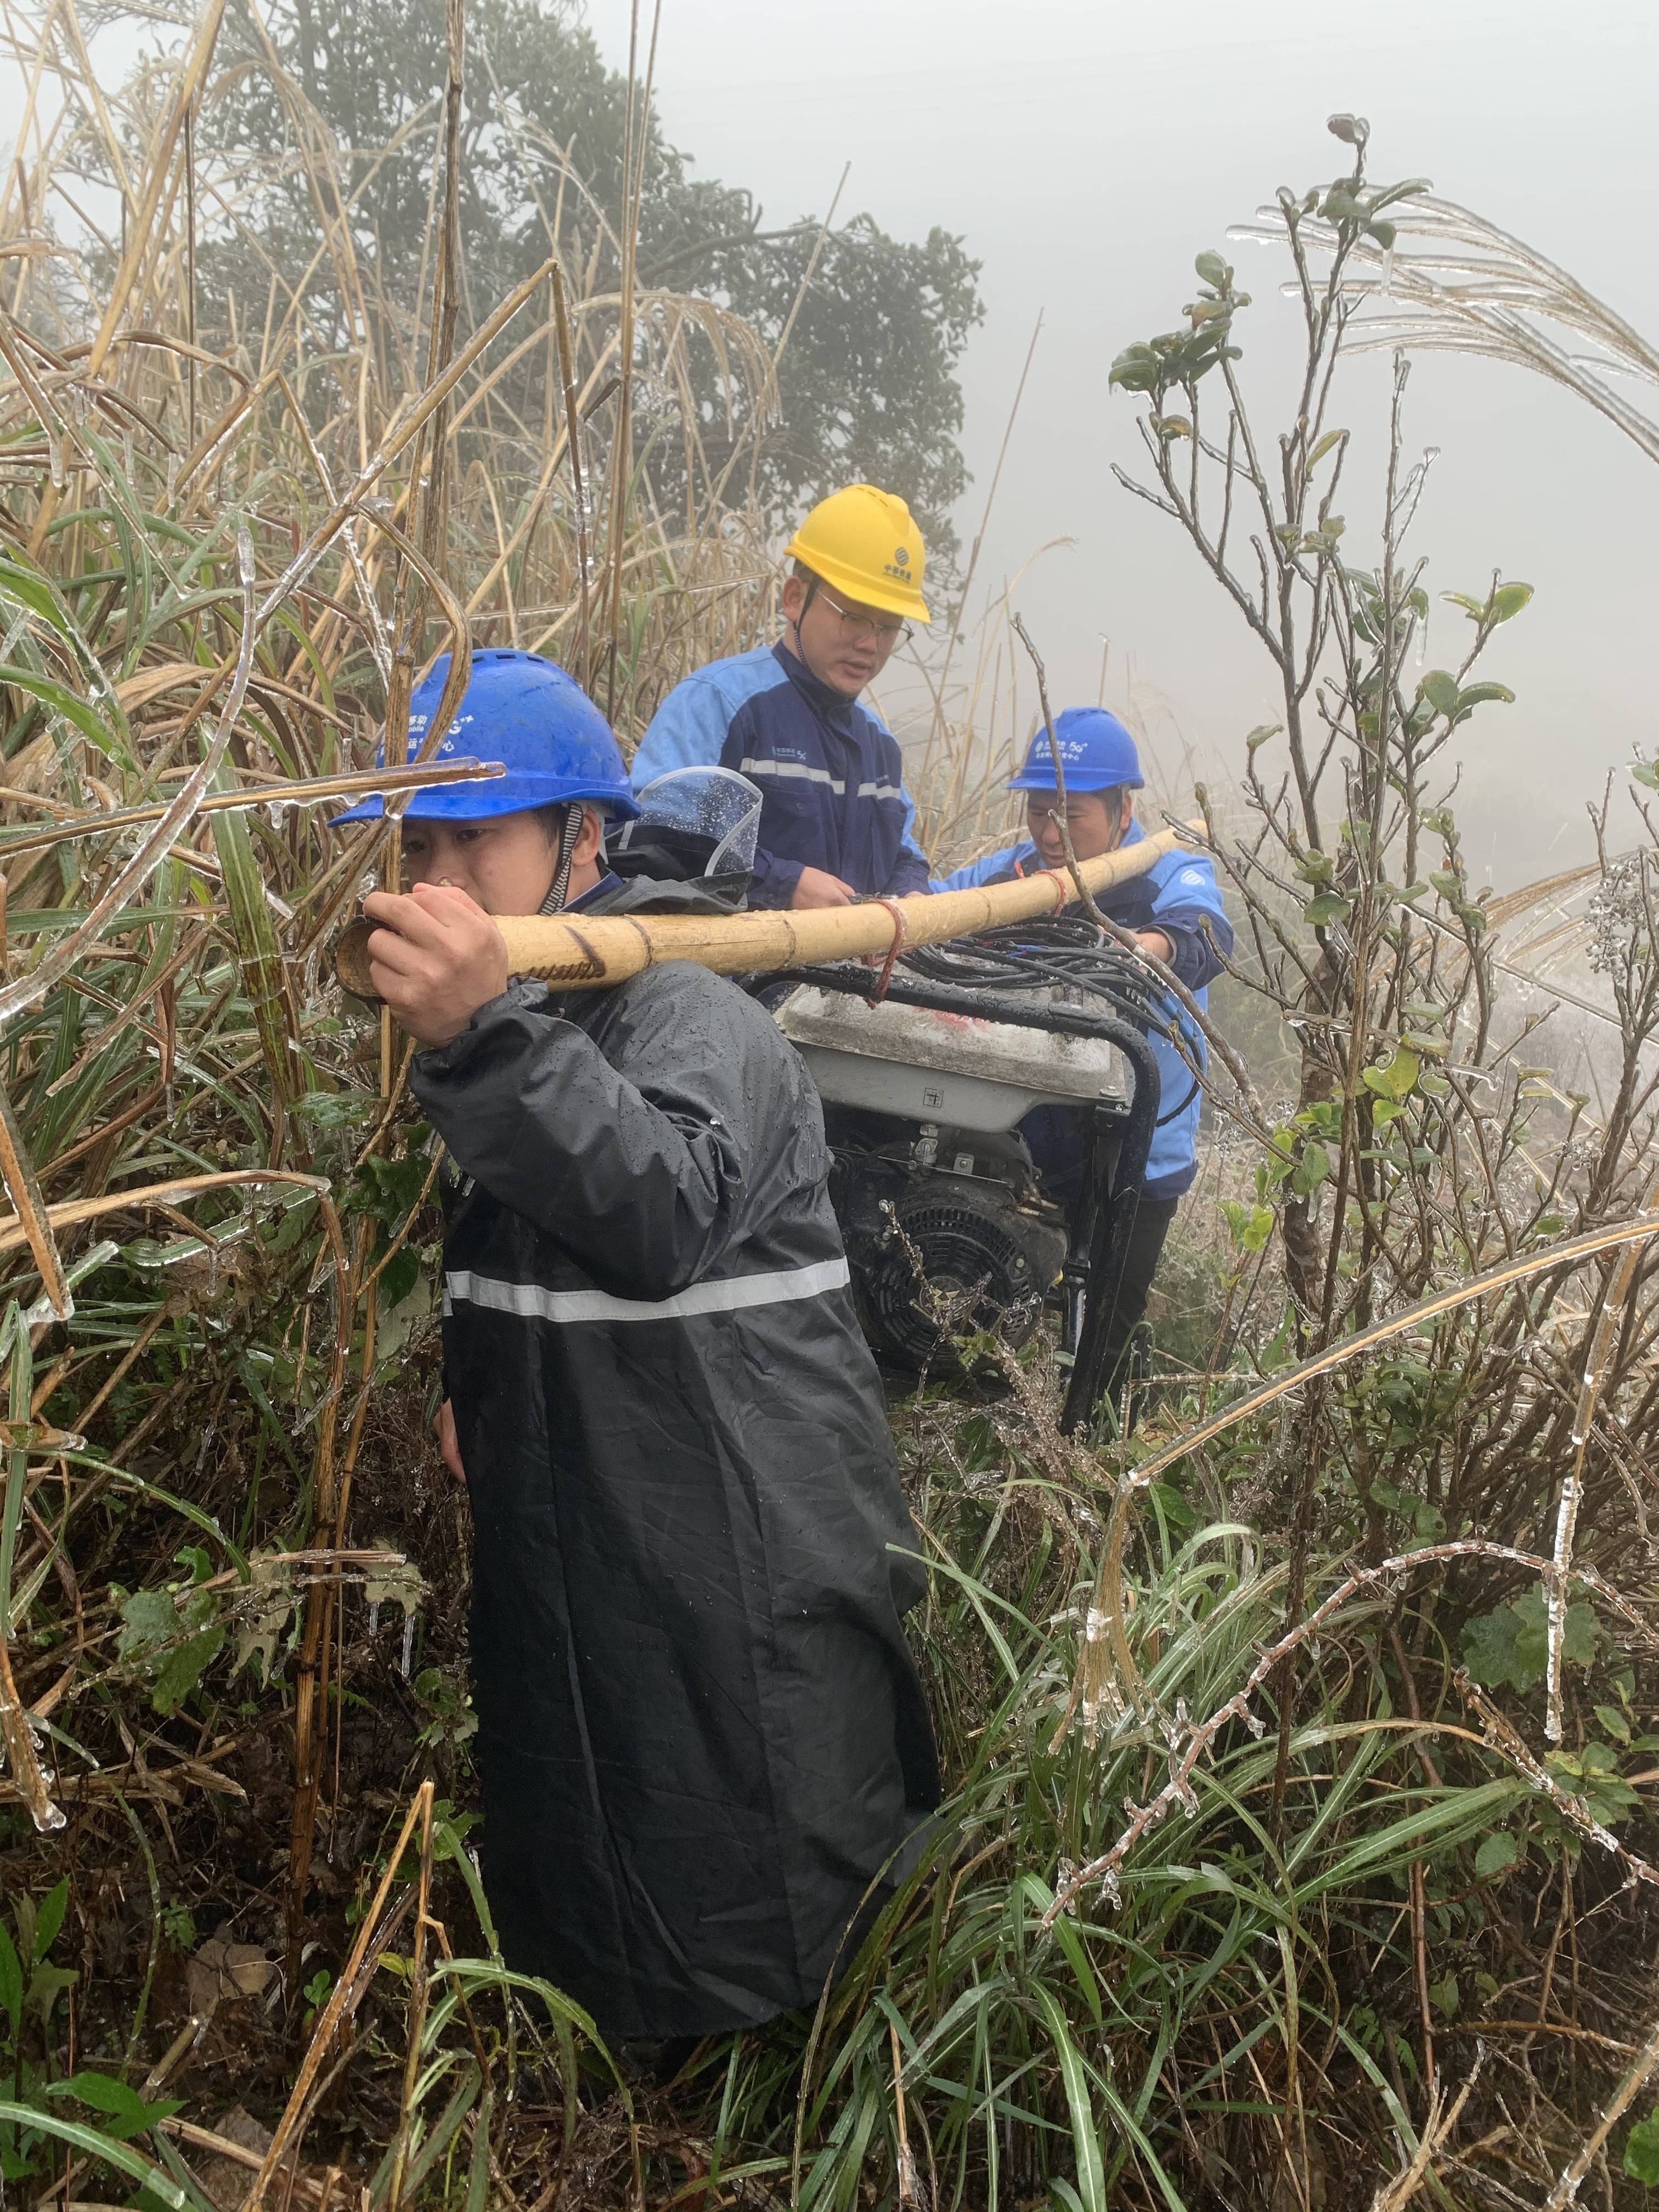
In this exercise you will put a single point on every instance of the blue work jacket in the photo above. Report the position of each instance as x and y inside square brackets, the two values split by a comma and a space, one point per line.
[831, 776]
[1179, 895]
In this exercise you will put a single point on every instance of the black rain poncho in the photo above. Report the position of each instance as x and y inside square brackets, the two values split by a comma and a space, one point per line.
[700, 1733]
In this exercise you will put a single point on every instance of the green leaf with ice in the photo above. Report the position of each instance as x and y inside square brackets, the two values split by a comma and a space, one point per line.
[1510, 1645]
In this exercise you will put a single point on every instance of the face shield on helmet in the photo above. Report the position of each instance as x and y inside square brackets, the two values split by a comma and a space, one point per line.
[692, 822]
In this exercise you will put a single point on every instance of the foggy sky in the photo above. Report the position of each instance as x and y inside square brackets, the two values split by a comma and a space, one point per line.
[1087, 152]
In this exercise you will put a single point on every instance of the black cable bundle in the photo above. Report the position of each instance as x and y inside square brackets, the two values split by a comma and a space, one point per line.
[1031, 956]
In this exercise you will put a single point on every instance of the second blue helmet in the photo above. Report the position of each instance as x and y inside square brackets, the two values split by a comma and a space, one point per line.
[537, 720]
[1096, 752]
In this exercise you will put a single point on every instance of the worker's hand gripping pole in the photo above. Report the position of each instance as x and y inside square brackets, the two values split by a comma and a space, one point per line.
[578, 953]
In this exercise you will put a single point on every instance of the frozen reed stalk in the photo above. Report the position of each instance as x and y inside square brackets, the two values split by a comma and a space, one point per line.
[1108, 1597]
[1577, 2170]
[1455, 282]
[1177, 1790]
[1608, 1322]
[1097, 1690]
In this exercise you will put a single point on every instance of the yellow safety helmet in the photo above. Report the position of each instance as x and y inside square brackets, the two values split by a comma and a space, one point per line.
[861, 541]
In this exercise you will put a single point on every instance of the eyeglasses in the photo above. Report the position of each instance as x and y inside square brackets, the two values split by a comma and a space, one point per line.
[859, 630]
[1042, 807]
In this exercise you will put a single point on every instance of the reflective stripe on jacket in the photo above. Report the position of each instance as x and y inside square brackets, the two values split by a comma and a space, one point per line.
[1178, 894]
[831, 776]
[702, 1734]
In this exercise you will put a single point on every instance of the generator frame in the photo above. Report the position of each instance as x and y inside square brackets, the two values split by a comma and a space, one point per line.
[1121, 1141]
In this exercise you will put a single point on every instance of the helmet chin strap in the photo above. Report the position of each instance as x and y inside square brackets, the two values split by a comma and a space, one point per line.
[800, 650]
[568, 836]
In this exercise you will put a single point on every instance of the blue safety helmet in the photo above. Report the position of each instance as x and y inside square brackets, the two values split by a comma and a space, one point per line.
[1096, 751]
[538, 722]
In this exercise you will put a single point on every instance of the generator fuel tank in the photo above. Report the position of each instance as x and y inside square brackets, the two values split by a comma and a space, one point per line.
[951, 1069]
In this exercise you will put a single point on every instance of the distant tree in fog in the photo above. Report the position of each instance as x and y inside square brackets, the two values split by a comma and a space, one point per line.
[867, 382]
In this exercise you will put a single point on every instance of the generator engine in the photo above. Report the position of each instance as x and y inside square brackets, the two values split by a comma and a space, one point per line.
[947, 1230]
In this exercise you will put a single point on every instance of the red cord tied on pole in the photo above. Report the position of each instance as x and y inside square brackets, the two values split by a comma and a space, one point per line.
[1065, 888]
[900, 931]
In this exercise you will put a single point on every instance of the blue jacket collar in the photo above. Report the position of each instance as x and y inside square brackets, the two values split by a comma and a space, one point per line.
[833, 706]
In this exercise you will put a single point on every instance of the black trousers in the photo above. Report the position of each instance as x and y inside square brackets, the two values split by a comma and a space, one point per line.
[1134, 1267]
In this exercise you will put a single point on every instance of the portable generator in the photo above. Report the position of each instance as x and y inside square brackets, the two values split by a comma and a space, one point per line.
[930, 1099]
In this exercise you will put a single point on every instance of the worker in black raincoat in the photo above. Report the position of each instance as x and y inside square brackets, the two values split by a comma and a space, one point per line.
[703, 1742]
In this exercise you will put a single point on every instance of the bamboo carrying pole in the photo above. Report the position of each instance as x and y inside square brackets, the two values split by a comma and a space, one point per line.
[582, 954]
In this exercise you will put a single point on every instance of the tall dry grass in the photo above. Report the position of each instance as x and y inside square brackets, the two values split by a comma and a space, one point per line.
[1187, 1953]
[227, 557]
